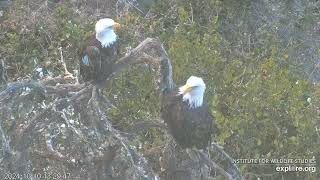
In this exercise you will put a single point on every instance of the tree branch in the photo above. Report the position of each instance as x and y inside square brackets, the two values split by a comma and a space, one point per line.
[204, 158]
[222, 154]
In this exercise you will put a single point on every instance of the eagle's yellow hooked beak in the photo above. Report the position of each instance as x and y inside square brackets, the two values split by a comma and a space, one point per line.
[185, 89]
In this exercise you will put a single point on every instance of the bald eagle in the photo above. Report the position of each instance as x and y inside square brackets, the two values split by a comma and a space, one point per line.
[188, 117]
[99, 52]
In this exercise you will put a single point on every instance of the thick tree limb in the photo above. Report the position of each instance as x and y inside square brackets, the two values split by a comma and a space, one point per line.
[223, 155]
[204, 157]
[146, 51]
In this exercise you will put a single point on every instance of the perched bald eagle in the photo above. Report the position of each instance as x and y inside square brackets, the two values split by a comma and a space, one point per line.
[99, 52]
[188, 118]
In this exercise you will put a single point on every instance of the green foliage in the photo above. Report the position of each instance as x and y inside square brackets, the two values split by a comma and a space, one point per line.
[261, 108]
[28, 45]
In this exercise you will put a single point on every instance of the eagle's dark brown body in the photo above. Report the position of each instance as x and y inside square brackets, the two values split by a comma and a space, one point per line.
[96, 62]
[188, 126]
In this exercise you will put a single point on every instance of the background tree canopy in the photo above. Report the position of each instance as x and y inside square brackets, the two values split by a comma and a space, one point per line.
[259, 60]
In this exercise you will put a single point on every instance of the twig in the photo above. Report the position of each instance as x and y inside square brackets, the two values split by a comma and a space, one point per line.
[5, 143]
[74, 129]
[3, 74]
[67, 74]
[50, 149]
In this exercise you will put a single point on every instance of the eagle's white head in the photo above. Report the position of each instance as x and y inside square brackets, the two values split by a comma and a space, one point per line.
[105, 31]
[193, 91]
